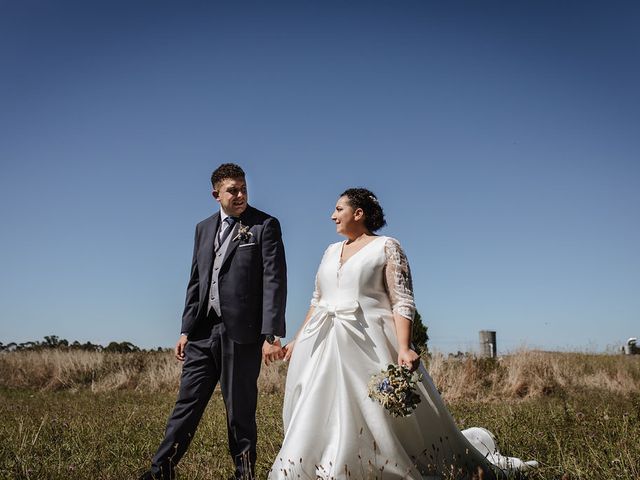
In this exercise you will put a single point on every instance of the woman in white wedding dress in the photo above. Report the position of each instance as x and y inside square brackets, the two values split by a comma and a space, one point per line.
[360, 322]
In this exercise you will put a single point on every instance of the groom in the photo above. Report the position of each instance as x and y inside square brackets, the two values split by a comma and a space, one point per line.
[233, 318]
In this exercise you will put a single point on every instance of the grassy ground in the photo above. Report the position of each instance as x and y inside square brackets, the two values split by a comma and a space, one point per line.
[95, 415]
[112, 435]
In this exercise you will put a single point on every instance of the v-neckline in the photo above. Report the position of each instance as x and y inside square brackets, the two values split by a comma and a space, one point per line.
[344, 242]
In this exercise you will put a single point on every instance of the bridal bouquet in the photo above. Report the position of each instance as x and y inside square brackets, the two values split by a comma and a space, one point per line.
[395, 389]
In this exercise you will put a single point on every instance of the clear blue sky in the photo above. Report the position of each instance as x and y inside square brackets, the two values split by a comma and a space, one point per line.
[502, 139]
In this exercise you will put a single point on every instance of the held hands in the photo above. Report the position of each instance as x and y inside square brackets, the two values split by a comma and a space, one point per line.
[180, 346]
[288, 350]
[409, 358]
[271, 353]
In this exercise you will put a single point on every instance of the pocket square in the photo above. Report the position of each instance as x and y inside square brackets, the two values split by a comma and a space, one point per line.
[247, 245]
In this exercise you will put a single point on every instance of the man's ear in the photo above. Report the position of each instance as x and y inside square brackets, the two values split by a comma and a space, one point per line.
[215, 194]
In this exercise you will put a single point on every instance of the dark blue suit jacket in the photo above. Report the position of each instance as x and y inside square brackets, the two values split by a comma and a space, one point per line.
[252, 280]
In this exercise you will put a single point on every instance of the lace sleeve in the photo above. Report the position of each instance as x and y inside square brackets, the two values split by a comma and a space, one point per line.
[397, 279]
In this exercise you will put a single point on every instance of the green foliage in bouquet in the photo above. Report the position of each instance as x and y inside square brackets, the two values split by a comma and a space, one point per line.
[395, 389]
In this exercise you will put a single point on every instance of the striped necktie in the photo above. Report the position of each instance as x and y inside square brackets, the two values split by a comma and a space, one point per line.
[225, 229]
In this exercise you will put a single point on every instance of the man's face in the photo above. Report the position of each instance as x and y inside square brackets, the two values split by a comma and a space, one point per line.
[232, 195]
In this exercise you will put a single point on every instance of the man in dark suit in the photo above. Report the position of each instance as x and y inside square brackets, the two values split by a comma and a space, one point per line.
[234, 316]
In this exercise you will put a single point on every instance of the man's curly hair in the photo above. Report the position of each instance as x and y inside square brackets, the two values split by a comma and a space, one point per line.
[368, 202]
[224, 171]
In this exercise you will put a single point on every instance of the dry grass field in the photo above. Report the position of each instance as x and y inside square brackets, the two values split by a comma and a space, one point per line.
[90, 415]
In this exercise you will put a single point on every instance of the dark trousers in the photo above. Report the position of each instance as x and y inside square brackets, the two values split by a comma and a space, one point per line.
[211, 357]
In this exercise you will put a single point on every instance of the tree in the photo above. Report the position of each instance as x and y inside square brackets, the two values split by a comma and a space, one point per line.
[419, 334]
[27, 345]
[122, 347]
[53, 341]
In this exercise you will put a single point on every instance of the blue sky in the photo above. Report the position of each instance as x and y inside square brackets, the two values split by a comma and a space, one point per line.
[502, 139]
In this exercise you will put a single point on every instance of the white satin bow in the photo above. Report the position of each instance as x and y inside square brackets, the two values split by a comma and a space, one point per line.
[325, 311]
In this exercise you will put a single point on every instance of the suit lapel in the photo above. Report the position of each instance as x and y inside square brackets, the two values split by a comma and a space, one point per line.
[207, 244]
[234, 241]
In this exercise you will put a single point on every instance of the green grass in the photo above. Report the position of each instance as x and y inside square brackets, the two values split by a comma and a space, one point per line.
[60, 435]
[591, 436]
[112, 435]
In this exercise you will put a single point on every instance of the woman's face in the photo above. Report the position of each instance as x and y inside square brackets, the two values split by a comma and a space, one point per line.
[345, 217]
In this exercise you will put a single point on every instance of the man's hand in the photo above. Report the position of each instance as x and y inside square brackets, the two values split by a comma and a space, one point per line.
[180, 346]
[271, 353]
[409, 358]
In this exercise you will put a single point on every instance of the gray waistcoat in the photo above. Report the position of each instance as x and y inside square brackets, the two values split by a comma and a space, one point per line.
[214, 296]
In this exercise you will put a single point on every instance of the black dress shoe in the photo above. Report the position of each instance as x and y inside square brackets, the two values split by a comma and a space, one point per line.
[149, 475]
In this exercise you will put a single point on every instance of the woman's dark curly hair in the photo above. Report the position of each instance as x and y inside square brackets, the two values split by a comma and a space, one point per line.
[224, 171]
[368, 202]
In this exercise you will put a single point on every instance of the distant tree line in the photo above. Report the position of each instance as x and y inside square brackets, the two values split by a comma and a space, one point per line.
[419, 336]
[54, 342]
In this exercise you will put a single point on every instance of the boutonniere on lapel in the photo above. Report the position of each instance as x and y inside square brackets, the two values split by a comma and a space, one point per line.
[243, 233]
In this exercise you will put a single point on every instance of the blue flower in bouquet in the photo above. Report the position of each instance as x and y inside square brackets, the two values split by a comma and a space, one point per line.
[385, 386]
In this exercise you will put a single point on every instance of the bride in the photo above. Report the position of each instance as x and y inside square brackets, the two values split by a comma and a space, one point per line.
[360, 322]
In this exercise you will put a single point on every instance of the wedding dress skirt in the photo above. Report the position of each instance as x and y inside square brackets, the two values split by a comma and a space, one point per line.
[332, 428]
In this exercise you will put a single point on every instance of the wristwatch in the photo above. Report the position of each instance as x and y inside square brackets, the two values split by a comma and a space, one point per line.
[271, 339]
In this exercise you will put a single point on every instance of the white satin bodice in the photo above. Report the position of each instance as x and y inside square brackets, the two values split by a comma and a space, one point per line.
[378, 275]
